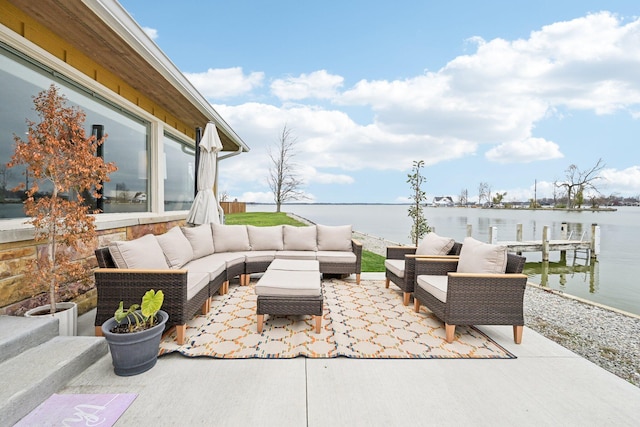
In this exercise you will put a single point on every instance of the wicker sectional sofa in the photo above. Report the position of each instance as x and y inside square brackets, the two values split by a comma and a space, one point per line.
[192, 264]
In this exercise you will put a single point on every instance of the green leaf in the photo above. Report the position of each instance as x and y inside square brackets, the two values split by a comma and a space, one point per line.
[151, 303]
[120, 314]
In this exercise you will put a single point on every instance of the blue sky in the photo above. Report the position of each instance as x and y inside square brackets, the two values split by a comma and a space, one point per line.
[503, 92]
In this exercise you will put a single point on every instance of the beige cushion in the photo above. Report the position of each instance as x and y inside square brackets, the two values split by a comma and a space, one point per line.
[259, 256]
[432, 244]
[334, 238]
[289, 283]
[478, 257]
[295, 254]
[144, 252]
[230, 238]
[265, 238]
[213, 265]
[176, 247]
[196, 281]
[435, 285]
[336, 257]
[396, 266]
[295, 265]
[200, 238]
[299, 238]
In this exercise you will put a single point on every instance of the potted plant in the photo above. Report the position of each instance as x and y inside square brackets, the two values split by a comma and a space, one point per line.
[134, 335]
[63, 170]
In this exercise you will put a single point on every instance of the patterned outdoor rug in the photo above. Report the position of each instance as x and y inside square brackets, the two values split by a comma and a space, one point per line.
[359, 321]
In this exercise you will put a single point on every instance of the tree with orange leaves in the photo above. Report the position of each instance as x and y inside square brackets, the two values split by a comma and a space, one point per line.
[58, 154]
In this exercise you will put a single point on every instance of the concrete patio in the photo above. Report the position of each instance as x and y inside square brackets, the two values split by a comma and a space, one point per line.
[545, 385]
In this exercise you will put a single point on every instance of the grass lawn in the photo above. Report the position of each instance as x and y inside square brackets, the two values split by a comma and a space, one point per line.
[370, 261]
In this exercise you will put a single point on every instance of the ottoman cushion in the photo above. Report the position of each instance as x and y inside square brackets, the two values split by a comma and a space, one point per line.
[289, 283]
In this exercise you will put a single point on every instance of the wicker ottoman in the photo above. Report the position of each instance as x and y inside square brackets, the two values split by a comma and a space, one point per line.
[290, 287]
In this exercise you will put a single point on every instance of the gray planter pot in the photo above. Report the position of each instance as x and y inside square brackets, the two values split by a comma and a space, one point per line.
[67, 316]
[136, 352]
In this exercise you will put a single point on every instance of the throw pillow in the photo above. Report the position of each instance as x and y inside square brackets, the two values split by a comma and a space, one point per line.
[299, 238]
[334, 238]
[432, 244]
[201, 240]
[176, 247]
[265, 238]
[230, 238]
[144, 252]
[478, 257]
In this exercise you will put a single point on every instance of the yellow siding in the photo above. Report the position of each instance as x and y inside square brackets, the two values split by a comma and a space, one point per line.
[25, 26]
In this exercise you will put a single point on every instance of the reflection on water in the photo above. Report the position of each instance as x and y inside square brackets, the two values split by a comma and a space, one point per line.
[557, 275]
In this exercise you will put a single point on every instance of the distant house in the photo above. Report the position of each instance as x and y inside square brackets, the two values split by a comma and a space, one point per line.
[443, 201]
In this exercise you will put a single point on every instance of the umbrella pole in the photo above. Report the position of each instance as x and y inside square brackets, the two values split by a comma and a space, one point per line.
[195, 180]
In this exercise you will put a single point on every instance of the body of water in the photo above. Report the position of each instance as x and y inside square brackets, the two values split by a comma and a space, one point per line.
[613, 280]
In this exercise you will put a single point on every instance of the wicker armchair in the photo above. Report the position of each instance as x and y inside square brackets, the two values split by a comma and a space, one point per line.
[117, 284]
[470, 298]
[403, 276]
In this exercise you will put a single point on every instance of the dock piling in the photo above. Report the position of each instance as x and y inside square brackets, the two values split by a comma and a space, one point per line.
[545, 243]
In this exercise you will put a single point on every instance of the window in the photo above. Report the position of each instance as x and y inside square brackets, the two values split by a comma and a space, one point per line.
[127, 144]
[179, 180]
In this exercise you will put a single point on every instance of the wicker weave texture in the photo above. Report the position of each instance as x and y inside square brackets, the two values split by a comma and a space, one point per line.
[115, 285]
[283, 305]
[479, 299]
[407, 282]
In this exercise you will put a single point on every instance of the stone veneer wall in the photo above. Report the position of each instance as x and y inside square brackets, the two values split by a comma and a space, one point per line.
[17, 296]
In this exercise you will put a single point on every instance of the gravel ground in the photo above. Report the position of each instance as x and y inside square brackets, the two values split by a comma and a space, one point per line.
[608, 338]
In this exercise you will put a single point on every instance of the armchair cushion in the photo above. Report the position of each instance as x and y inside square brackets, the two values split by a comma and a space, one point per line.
[432, 244]
[177, 249]
[396, 266]
[200, 239]
[334, 238]
[435, 285]
[144, 252]
[478, 257]
[230, 238]
[300, 238]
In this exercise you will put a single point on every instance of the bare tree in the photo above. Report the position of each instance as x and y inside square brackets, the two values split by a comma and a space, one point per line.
[283, 179]
[577, 182]
[483, 192]
[463, 198]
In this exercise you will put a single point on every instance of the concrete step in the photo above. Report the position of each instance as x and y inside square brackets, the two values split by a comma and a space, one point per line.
[30, 377]
[18, 334]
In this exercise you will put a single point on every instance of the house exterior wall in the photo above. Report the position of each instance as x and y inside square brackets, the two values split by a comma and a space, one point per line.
[24, 34]
[27, 27]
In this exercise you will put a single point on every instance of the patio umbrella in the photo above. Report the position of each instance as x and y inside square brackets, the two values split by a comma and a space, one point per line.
[205, 208]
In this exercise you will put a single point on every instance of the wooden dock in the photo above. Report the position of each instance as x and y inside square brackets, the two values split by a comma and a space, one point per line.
[590, 247]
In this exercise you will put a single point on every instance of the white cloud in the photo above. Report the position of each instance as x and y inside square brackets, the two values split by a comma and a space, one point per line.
[492, 97]
[529, 150]
[626, 181]
[318, 84]
[225, 82]
[151, 32]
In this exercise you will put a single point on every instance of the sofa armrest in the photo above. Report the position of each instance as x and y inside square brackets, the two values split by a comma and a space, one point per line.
[493, 298]
[399, 252]
[129, 285]
[356, 247]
